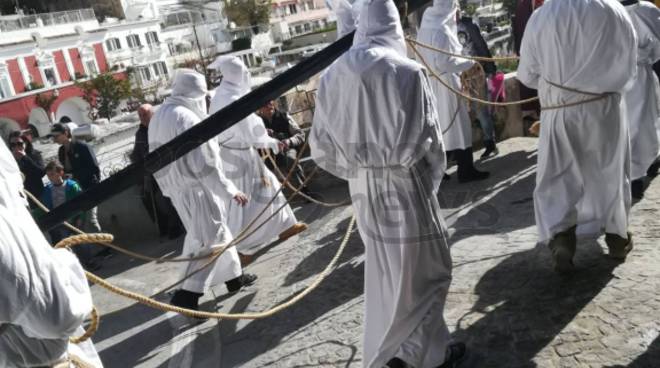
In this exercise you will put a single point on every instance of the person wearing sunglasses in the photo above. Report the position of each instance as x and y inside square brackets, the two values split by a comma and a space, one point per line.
[29, 162]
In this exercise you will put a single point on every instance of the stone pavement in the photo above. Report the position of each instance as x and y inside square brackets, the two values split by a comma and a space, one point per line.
[505, 301]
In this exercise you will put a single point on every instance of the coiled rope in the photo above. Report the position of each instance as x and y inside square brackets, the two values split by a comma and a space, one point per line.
[94, 314]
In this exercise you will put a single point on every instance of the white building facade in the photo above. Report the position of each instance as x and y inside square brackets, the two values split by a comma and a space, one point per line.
[41, 55]
[290, 18]
[137, 46]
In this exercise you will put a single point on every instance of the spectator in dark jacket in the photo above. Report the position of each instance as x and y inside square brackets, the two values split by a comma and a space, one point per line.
[160, 208]
[29, 161]
[79, 161]
[77, 157]
[282, 127]
[474, 45]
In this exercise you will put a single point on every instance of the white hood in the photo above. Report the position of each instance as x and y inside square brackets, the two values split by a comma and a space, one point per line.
[189, 90]
[249, 132]
[346, 20]
[442, 16]
[234, 72]
[11, 180]
[379, 25]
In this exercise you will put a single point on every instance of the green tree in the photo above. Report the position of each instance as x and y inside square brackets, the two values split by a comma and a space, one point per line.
[248, 12]
[45, 101]
[103, 93]
[510, 6]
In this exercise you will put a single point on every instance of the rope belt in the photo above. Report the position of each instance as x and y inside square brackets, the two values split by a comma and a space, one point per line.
[595, 96]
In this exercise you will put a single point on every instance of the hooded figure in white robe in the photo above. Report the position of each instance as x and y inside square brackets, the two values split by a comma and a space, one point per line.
[346, 18]
[439, 29]
[584, 155]
[375, 125]
[44, 297]
[243, 165]
[197, 187]
[643, 96]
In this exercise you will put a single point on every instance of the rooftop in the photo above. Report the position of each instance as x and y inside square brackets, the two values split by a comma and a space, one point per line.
[10, 23]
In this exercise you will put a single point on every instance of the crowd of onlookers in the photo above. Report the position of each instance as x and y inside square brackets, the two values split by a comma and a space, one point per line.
[75, 170]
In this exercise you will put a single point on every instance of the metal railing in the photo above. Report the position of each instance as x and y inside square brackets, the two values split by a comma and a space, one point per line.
[188, 17]
[46, 19]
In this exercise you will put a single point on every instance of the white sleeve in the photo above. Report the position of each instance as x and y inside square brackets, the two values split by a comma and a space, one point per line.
[323, 149]
[529, 69]
[204, 164]
[450, 64]
[257, 135]
[435, 156]
[44, 291]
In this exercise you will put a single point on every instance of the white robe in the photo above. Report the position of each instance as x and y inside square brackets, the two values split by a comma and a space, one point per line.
[438, 29]
[346, 21]
[375, 125]
[643, 112]
[245, 168]
[44, 297]
[584, 156]
[199, 191]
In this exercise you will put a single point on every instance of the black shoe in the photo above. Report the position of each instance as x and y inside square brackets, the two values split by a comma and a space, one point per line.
[446, 177]
[491, 149]
[186, 299]
[105, 253]
[473, 175]
[236, 284]
[396, 363]
[92, 265]
[466, 170]
[637, 189]
[455, 354]
[652, 172]
[562, 247]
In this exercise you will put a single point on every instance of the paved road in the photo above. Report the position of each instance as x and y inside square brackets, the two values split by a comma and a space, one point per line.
[505, 301]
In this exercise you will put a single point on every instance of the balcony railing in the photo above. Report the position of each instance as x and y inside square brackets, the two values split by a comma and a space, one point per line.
[187, 17]
[46, 19]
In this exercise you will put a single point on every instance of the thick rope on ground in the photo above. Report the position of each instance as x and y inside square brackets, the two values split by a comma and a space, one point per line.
[198, 314]
[164, 307]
